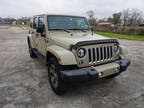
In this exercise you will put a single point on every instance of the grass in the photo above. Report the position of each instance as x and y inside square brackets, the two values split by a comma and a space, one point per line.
[24, 27]
[122, 36]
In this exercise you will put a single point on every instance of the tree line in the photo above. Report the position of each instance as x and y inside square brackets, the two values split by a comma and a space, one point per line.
[10, 20]
[128, 17]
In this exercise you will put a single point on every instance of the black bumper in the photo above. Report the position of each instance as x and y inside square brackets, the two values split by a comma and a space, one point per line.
[89, 74]
[124, 63]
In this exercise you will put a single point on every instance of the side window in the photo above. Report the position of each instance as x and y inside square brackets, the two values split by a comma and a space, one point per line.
[40, 21]
[31, 23]
[35, 23]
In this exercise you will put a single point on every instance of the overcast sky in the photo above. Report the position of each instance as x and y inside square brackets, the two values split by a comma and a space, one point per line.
[102, 8]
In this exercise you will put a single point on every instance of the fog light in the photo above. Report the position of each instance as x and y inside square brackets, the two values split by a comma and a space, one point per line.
[100, 74]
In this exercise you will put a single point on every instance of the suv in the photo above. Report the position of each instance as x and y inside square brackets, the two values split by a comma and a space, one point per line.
[71, 51]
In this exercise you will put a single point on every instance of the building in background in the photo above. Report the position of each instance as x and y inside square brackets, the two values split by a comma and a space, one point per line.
[104, 23]
[1, 21]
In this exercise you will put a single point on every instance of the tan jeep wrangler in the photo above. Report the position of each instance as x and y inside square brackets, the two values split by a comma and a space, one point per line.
[71, 51]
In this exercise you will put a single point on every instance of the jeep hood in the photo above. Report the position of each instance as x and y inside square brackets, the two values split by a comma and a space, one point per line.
[67, 39]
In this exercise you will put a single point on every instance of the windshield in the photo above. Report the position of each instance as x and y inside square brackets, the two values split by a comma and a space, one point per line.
[67, 23]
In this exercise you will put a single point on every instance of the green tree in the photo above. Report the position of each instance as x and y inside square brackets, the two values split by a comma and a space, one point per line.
[116, 18]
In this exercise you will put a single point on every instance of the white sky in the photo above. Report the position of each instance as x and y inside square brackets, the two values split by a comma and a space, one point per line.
[102, 8]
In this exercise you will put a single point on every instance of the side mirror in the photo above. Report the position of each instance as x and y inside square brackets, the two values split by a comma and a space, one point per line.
[41, 29]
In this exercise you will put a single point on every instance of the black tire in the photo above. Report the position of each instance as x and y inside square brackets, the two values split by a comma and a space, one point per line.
[32, 54]
[55, 80]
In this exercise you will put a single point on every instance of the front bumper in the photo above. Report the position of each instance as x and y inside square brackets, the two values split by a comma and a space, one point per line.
[89, 74]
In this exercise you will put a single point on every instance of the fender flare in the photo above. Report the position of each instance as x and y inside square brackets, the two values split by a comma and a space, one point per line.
[65, 56]
[30, 39]
[123, 51]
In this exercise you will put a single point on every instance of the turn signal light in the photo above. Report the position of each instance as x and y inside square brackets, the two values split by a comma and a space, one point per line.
[121, 61]
[92, 68]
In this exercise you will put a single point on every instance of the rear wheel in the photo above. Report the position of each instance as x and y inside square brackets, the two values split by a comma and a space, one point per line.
[55, 80]
[32, 54]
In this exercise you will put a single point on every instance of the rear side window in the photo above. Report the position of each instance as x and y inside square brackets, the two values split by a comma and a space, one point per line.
[35, 23]
[31, 23]
[40, 21]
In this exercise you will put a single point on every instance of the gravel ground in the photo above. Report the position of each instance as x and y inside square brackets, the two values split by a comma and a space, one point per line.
[24, 82]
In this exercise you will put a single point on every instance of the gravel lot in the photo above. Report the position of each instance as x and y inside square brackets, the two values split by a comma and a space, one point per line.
[24, 82]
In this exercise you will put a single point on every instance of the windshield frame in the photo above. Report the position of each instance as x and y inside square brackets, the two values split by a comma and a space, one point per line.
[67, 16]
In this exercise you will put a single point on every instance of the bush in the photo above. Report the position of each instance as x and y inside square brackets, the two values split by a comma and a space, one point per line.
[103, 28]
[121, 30]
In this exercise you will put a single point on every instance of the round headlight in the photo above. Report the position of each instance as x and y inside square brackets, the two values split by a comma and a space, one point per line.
[116, 48]
[81, 52]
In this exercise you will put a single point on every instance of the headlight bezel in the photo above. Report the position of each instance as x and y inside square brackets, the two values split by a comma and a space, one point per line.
[79, 54]
[116, 48]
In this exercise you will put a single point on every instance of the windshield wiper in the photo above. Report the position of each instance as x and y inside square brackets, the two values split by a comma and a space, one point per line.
[66, 30]
[79, 29]
[62, 29]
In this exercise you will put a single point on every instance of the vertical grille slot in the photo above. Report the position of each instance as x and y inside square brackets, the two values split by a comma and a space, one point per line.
[108, 54]
[97, 51]
[100, 54]
[105, 53]
[111, 53]
[90, 57]
[94, 55]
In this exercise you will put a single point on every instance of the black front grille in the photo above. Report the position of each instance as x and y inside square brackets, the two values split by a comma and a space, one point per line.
[99, 54]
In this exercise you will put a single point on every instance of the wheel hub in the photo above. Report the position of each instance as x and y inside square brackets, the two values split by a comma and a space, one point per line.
[53, 76]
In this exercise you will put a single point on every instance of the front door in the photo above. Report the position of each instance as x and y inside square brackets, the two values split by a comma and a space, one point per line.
[33, 31]
[41, 37]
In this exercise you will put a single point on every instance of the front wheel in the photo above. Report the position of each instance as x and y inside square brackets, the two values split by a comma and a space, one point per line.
[32, 54]
[55, 80]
